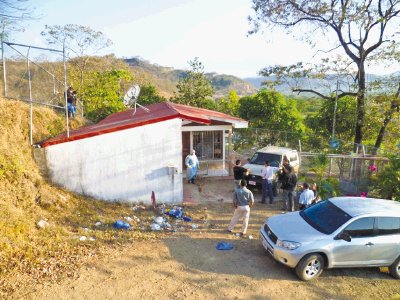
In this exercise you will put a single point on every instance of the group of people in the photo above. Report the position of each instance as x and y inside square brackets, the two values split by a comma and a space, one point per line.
[243, 198]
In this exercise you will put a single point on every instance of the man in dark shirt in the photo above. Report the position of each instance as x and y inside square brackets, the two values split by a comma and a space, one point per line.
[238, 172]
[288, 180]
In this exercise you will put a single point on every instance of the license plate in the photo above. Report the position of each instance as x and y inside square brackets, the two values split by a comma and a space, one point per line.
[252, 182]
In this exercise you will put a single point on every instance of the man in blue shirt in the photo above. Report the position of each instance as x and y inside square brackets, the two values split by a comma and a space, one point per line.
[243, 199]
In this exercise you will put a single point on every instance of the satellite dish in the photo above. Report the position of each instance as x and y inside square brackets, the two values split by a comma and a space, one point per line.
[131, 97]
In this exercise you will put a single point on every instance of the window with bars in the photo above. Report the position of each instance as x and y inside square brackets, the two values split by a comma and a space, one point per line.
[208, 144]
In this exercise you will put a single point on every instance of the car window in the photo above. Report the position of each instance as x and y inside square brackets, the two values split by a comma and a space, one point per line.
[387, 225]
[259, 158]
[361, 228]
[325, 216]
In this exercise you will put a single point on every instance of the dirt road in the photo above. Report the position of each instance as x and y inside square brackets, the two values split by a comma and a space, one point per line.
[186, 265]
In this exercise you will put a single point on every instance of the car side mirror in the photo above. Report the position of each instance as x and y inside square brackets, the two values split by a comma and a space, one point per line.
[343, 236]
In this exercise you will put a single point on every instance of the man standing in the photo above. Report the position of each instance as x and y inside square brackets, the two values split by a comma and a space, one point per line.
[288, 180]
[238, 172]
[242, 201]
[192, 164]
[306, 197]
[267, 174]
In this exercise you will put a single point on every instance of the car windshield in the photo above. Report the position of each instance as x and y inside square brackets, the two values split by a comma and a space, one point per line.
[259, 158]
[325, 217]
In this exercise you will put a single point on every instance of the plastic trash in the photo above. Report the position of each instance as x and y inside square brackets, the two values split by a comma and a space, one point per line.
[82, 238]
[187, 219]
[176, 212]
[42, 224]
[128, 219]
[251, 237]
[155, 226]
[194, 226]
[159, 220]
[121, 225]
[224, 246]
[97, 223]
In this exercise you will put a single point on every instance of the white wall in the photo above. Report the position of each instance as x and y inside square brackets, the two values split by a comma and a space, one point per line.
[125, 165]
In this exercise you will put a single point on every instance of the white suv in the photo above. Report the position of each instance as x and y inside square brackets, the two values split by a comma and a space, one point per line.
[275, 156]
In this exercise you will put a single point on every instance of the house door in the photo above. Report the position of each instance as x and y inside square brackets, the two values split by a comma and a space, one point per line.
[185, 147]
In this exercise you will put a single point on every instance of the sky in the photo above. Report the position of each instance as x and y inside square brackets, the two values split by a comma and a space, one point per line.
[172, 32]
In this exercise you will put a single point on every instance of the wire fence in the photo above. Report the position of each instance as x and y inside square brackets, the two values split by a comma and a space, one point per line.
[353, 171]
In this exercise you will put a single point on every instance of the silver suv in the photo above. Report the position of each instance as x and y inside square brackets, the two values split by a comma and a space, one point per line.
[339, 232]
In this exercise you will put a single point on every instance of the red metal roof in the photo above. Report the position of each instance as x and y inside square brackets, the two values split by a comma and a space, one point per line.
[157, 113]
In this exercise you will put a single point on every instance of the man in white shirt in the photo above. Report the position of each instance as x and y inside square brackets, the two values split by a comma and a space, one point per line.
[267, 174]
[306, 197]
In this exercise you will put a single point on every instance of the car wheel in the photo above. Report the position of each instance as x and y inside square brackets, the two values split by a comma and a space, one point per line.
[394, 269]
[310, 267]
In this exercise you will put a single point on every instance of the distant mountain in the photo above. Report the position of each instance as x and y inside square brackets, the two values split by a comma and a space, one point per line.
[323, 86]
[166, 78]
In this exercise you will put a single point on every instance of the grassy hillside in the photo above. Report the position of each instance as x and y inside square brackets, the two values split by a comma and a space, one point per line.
[165, 79]
[29, 253]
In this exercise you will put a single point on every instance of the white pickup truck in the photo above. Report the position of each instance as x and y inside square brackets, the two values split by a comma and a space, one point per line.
[275, 156]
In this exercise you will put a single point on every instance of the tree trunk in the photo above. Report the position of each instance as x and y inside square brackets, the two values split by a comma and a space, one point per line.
[360, 106]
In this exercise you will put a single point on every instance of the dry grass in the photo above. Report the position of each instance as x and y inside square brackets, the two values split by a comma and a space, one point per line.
[29, 254]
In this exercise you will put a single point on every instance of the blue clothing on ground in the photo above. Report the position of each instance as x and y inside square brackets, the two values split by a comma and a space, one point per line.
[224, 246]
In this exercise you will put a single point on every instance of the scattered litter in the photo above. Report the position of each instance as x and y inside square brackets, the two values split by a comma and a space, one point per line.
[138, 207]
[194, 226]
[176, 212]
[97, 223]
[155, 226]
[384, 269]
[82, 238]
[159, 220]
[128, 219]
[121, 225]
[237, 234]
[42, 224]
[250, 237]
[187, 219]
[85, 229]
[161, 209]
[167, 225]
[136, 219]
[224, 246]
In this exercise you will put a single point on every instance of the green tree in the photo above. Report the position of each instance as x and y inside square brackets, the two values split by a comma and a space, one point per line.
[360, 29]
[195, 89]
[149, 95]
[386, 184]
[230, 105]
[321, 122]
[272, 120]
[270, 109]
[104, 92]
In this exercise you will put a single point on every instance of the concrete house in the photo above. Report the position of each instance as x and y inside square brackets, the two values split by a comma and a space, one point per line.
[129, 154]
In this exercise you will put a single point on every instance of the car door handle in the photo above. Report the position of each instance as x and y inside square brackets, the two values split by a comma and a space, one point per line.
[369, 244]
